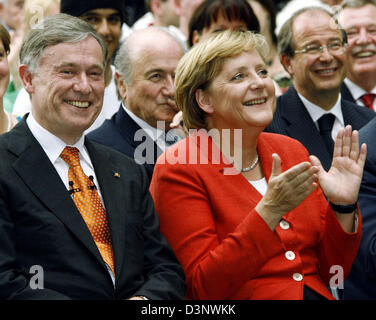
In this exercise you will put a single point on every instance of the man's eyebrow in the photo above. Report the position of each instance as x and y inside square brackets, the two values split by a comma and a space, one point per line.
[154, 70]
[71, 65]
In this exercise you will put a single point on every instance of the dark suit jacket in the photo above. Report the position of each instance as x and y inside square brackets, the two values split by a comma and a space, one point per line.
[119, 133]
[346, 94]
[291, 118]
[361, 283]
[40, 225]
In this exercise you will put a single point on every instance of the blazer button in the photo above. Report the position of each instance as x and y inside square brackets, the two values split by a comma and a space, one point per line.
[290, 255]
[284, 225]
[297, 277]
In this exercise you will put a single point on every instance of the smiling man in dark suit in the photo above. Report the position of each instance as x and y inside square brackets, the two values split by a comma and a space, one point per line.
[145, 71]
[312, 110]
[357, 17]
[78, 212]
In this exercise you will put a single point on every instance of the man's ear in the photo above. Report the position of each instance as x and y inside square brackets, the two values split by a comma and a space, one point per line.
[177, 7]
[155, 7]
[286, 62]
[121, 85]
[26, 77]
[204, 101]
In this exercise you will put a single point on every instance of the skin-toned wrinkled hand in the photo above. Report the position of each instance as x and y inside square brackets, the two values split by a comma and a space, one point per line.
[286, 190]
[341, 183]
[176, 124]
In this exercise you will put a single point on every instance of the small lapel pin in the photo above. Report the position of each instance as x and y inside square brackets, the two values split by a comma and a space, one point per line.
[116, 174]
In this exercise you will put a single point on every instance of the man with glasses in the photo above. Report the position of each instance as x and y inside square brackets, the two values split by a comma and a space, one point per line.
[312, 50]
[358, 18]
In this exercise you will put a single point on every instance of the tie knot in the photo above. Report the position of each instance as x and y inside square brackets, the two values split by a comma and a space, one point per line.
[368, 100]
[71, 156]
[326, 122]
[171, 137]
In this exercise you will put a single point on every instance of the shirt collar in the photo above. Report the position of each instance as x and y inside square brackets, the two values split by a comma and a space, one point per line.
[51, 144]
[317, 112]
[154, 133]
[355, 90]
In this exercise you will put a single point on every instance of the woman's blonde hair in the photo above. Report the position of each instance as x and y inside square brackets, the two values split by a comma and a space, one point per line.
[203, 63]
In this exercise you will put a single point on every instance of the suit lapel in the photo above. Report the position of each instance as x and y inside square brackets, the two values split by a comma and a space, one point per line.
[128, 128]
[111, 187]
[38, 173]
[346, 94]
[353, 116]
[301, 127]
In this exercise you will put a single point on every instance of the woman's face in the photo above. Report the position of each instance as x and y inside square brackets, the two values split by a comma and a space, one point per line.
[4, 71]
[241, 96]
[221, 24]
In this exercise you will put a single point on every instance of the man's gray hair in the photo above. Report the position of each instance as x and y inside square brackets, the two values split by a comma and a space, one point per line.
[123, 60]
[54, 30]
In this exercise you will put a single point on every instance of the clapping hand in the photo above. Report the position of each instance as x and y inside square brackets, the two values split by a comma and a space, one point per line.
[341, 183]
[286, 190]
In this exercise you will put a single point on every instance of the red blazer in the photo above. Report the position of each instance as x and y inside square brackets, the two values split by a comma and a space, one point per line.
[224, 246]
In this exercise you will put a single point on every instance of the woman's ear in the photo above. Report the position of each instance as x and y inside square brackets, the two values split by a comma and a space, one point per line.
[204, 101]
[195, 37]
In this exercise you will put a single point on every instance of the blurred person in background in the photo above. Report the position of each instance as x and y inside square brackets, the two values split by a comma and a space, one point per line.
[184, 9]
[7, 121]
[266, 13]
[33, 11]
[358, 18]
[160, 13]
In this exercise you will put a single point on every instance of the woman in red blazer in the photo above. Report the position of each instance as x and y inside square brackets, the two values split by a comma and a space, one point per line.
[243, 209]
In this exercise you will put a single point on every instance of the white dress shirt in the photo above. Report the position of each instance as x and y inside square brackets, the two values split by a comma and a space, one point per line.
[316, 112]
[357, 92]
[53, 146]
[156, 134]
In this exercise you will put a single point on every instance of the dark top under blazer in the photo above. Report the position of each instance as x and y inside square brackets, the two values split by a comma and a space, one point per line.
[361, 284]
[40, 225]
[119, 133]
[291, 118]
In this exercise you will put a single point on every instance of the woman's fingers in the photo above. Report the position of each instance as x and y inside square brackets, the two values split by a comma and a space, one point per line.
[276, 166]
[354, 152]
[347, 137]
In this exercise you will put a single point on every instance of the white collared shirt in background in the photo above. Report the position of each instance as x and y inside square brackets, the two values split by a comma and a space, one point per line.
[357, 92]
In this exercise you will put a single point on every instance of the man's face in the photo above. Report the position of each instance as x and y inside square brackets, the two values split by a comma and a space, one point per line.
[168, 15]
[107, 22]
[316, 73]
[67, 88]
[360, 26]
[12, 13]
[185, 9]
[150, 94]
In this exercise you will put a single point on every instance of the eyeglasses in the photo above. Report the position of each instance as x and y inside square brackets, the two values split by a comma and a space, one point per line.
[313, 49]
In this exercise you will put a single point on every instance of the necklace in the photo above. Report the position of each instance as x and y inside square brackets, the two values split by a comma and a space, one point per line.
[252, 166]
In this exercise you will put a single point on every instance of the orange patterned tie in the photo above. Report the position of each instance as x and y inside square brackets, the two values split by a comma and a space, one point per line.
[87, 200]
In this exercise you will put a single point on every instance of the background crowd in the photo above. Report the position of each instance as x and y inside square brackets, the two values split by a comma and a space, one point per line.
[123, 172]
